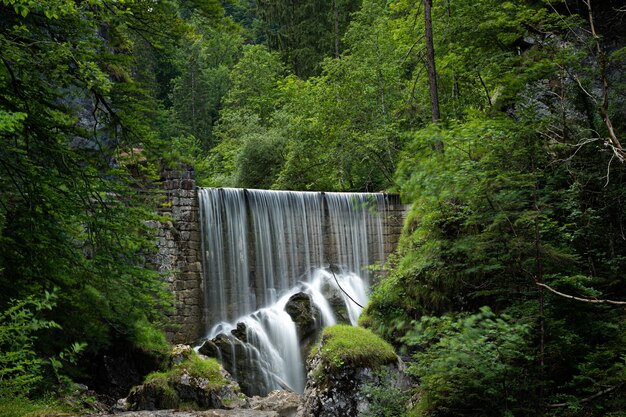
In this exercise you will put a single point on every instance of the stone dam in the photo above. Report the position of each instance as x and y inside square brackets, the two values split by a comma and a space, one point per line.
[262, 243]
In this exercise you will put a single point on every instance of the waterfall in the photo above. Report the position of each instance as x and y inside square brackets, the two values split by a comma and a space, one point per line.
[262, 248]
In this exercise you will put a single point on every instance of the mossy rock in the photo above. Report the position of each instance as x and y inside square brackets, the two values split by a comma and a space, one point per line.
[346, 366]
[196, 380]
[354, 347]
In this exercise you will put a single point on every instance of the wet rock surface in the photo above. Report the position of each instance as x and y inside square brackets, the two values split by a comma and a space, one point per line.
[207, 413]
[304, 314]
[242, 361]
[336, 302]
[307, 317]
[284, 403]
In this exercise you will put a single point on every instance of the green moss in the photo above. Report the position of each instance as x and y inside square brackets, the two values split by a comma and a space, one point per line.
[188, 406]
[22, 407]
[354, 346]
[206, 368]
[196, 367]
[160, 381]
[157, 379]
[169, 398]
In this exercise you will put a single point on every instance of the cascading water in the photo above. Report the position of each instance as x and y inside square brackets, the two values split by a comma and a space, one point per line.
[263, 248]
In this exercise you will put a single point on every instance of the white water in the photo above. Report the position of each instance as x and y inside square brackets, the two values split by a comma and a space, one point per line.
[261, 247]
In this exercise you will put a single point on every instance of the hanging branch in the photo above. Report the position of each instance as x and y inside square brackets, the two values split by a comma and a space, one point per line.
[603, 107]
[342, 290]
[584, 300]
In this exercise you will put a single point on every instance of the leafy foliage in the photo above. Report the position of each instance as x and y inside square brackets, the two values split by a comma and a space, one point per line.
[21, 369]
[478, 363]
[330, 96]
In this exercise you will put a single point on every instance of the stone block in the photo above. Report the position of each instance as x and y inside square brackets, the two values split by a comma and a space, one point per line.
[189, 216]
[187, 194]
[187, 184]
[194, 267]
[193, 245]
[192, 284]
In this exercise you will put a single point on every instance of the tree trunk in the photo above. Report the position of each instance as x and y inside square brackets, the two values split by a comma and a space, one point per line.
[336, 21]
[430, 61]
[432, 72]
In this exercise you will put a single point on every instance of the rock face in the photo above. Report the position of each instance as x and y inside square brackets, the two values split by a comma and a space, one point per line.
[207, 413]
[118, 369]
[336, 302]
[275, 404]
[344, 393]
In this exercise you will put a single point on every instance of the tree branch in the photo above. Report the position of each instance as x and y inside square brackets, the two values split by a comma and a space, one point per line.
[603, 107]
[584, 300]
[342, 290]
[584, 400]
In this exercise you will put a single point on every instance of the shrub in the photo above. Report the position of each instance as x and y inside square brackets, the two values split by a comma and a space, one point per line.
[478, 362]
[20, 366]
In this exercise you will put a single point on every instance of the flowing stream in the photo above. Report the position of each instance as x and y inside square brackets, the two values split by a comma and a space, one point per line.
[263, 248]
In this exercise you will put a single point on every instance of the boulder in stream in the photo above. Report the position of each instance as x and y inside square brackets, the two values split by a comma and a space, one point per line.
[240, 359]
[307, 317]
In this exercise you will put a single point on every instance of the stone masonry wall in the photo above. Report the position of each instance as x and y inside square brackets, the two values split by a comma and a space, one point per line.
[393, 221]
[178, 255]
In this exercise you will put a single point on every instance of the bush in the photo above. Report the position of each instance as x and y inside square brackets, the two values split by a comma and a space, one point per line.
[479, 362]
[20, 366]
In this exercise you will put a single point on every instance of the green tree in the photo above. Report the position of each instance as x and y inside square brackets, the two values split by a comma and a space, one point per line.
[197, 94]
[72, 119]
[305, 32]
